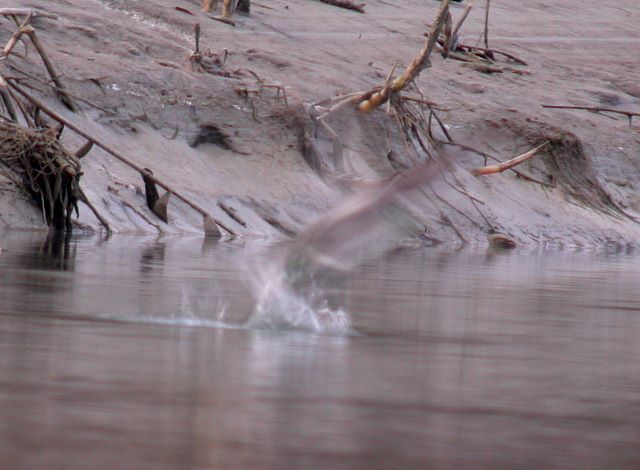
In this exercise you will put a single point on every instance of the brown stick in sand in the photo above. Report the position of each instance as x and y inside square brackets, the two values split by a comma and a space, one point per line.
[499, 168]
[594, 109]
[85, 199]
[25, 28]
[348, 4]
[34, 12]
[419, 63]
[486, 25]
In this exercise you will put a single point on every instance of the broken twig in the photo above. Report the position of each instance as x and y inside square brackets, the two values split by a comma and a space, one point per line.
[499, 168]
[28, 11]
[347, 4]
[375, 99]
[594, 109]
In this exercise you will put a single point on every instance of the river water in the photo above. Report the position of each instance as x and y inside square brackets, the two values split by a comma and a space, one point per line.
[142, 353]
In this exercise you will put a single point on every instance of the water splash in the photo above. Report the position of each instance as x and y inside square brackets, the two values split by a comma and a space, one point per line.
[289, 299]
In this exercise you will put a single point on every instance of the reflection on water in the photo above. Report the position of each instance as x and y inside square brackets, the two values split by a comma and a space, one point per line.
[135, 353]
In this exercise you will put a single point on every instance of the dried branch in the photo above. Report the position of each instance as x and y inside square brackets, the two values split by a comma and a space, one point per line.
[488, 52]
[486, 25]
[224, 20]
[374, 99]
[33, 12]
[347, 4]
[83, 197]
[458, 25]
[595, 109]
[64, 97]
[8, 104]
[486, 156]
[25, 28]
[84, 150]
[499, 168]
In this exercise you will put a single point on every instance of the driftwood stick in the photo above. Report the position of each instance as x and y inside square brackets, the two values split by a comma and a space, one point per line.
[64, 97]
[4, 85]
[13, 40]
[140, 214]
[462, 19]
[493, 51]
[419, 63]
[424, 101]
[29, 76]
[485, 68]
[223, 19]
[499, 168]
[594, 109]
[28, 11]
[115, 153]
[84, 150]
[448, 41]
[350, 99]
[8, 104]
[486, 25]
[347, 4]
[443, 128]
[15, 37]
[488, 156]
[85, 199]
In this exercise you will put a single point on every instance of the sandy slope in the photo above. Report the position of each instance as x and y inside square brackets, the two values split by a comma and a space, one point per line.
[579, 52]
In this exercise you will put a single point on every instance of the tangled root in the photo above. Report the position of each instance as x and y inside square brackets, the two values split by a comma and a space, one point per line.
[47, 172]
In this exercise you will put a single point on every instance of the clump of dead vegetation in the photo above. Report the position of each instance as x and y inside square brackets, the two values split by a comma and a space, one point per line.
[43, 166]
[31, 146]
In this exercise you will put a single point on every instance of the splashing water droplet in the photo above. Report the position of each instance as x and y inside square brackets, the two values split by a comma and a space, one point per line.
[284, 302]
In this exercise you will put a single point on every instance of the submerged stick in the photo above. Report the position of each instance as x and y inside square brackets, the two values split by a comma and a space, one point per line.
[499, 168]
[118, 156]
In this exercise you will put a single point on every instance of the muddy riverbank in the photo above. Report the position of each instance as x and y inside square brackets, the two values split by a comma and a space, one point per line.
[130, 60]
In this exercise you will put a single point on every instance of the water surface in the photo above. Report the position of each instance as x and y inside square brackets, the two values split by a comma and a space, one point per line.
[135, 353]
